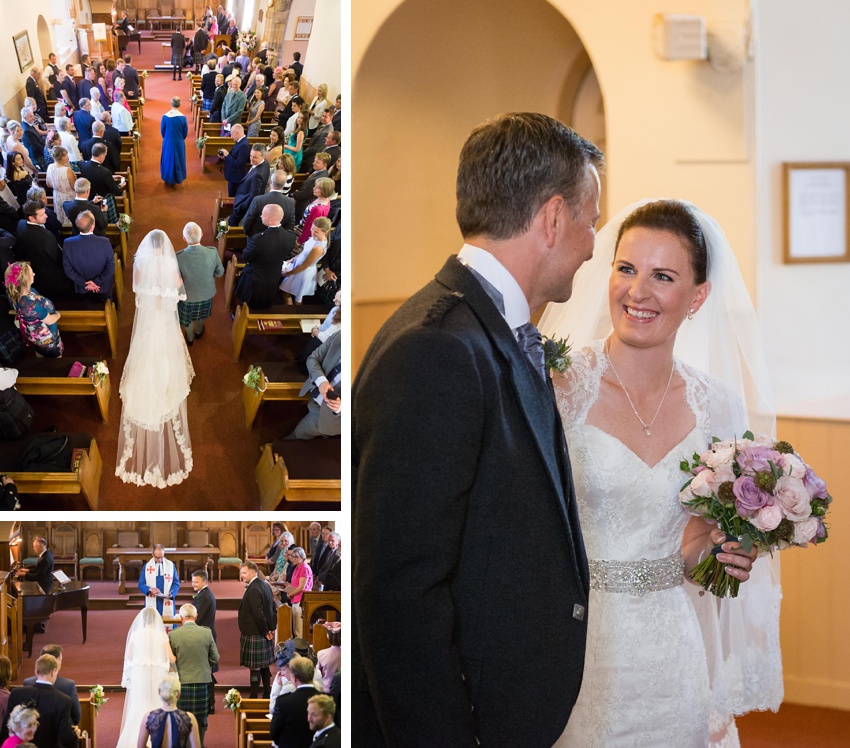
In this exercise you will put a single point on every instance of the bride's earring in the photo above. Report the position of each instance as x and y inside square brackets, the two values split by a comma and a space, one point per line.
[691, 313]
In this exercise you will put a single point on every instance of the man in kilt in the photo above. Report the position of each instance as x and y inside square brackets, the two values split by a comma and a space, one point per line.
[199, 266]
[178, 45]
[196, 654]
[257, 620]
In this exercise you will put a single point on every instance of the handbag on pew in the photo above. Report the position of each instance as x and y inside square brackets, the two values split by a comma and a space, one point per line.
[16, 414]
[47, 453]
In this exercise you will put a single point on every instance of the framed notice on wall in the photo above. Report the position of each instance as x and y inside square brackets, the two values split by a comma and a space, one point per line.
[816, 212]
[303, 27]
[23, 49]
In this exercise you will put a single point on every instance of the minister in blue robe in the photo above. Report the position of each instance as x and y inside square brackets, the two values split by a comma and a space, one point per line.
[159, 581]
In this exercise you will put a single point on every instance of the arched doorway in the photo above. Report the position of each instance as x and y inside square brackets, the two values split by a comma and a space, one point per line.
[434, 70]
[45, 41]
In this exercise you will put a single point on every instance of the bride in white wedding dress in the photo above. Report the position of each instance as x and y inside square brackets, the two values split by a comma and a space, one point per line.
[663, 666]
[153, 443]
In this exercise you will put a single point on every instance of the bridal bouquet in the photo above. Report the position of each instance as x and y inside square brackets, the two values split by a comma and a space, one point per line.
[232, 699]
[760, 492]
[97, 697]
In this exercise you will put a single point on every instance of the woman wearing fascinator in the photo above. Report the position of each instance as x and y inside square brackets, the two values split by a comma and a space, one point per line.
[667, 356]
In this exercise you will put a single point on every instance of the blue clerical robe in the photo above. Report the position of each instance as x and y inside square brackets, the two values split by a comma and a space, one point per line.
[159, 583]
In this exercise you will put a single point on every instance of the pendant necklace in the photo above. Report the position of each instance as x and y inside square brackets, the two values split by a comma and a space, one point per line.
[646, 426]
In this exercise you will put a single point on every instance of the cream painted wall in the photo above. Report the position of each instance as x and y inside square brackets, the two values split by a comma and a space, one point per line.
[323, 60]
[290, 43]
[802, 57]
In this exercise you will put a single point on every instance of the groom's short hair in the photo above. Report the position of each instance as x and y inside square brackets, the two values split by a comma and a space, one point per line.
[511, 165]
[201, 574]
[250, 565]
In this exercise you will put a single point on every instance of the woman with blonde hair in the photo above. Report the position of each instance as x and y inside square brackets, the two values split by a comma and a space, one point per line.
[22, 724]
[299, 273]
[14, 143]
[36, 316]
[168, 726]
[317, 107]
[61, 178]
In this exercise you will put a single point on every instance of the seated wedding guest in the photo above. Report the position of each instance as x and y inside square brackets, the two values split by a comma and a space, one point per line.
[53, 707]
[61, 179]
[304, 194]
[64, 685]
[81, 203]
[323, 189]
[21, 725]
[199, 267]
[275, 196]
[5, 679]
[102, 180]
[289, 725]
[89, 260]
[321, 710]
[208, 85]
[40, 249]
[113, 153]
[182, 727]
[219, 93]
[320, 333]
[284, 653]
[299, 273]
[17, 177]
[252, 185]
[121, 117]
[83, 120]
[85, 85]
[32, 139]
[264, 257]
[36, 315]
[236, 159]
[274, 149]
[69, 142]
[324, 405]
[110, 133]
[14, 144]
[53, 225]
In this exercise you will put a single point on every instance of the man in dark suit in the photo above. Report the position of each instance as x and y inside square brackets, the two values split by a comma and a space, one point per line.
[257, 620]
[34, 92]
[89, 260]
[488, 436]
[39, 247]
[321, 549]
[101, 178]
[33, 140]
[304, 194]
[54, 708]
[69, 86]
[199, 47]
[296, 64]
[204, 602]
[252, 223]
[230, 66]
[252, 185]
[80, 203]
[83, 120]
[264, 256]
[132, 86]
[63, 685]
[113, 154]
[287, 111]
[110, 134]
[236, 159]
[289, 722]
[221, 19]
[321, 709]
[337, 118]
[332, 146]
[52, 224]
[317, 141]
[42, 572]
[323, 404]
[85, 85]
[330, 559]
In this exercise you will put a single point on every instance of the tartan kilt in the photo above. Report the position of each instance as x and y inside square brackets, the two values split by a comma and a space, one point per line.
[111, 209]
[176, 59]
[206, 104]
[195, 698]
[255, 651]
[188, 311]
[199, 58]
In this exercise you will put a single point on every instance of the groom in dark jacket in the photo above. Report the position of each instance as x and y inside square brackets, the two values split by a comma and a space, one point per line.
[459, 449]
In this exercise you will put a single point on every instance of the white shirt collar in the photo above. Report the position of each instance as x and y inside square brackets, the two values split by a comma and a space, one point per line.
[482, 262]
[324, 729]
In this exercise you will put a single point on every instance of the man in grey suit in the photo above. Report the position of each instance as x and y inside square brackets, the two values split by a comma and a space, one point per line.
[199, 266]
[324, 405]
[196, 654]
[64, 685]
[252, 223]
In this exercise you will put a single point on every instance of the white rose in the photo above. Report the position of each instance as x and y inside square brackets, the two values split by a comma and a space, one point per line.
[767, 518]
[763, 440]
[794, 466]
[793, 497]
[701, 485]
[719, 456]
[805, 531]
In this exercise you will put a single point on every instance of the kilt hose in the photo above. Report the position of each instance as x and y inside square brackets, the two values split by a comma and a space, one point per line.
[255, 651]
[194, 698]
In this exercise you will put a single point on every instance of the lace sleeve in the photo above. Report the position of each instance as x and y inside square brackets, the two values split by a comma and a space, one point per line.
[578, 387]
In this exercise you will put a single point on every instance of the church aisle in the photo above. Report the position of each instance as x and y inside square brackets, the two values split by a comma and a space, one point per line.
[225, 454]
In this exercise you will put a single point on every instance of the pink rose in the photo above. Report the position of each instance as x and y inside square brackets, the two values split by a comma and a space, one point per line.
[757, 459]
[701, 484]
[720, 454]
[793, 497]
[721, 474]
[793, 466]
[767, 518]
[749, 498]
[806, 531]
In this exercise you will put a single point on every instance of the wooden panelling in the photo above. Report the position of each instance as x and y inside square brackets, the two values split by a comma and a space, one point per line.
[367, 318]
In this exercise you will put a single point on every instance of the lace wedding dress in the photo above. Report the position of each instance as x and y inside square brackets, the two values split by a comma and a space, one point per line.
[646, 675]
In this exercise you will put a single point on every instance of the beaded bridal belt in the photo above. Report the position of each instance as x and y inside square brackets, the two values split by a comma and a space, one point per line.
[637, 577]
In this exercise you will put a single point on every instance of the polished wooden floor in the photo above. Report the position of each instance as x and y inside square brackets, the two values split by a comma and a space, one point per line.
[795, 726]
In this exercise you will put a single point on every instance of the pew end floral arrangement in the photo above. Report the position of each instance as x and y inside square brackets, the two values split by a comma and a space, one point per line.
[255, 379]
[97, 697]
[99, 372]
[232, 699]
[200, 143]
[221, 228]
[124, 222]
[759, 492]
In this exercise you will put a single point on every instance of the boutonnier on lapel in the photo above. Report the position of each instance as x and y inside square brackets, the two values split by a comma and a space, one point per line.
[556, 352]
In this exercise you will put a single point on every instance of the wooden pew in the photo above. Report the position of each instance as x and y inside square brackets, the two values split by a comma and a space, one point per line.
[81, 317]
[46, 376]
[281, 381]
[284, 623]
[290, 316]
[320, 639]
[252, 708]
[299, 470]
[88, 718]
[82, 478]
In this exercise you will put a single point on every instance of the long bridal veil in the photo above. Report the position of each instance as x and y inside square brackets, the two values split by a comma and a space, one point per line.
[153, 444]
[146, 663]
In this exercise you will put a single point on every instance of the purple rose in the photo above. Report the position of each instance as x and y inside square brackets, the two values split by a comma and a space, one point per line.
[814, 484]
[757, 459]
[749, 498]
